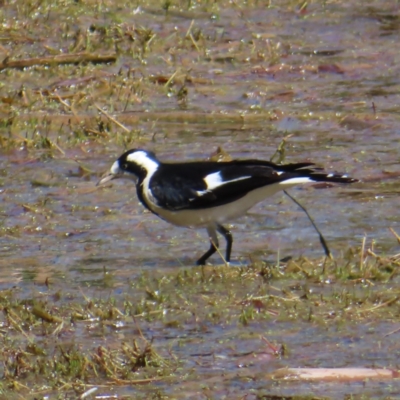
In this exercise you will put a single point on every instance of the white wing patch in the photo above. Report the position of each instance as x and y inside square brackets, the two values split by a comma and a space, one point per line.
[215, 180]
[295, 181]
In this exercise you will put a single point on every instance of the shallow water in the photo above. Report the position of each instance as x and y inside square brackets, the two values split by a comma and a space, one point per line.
[329, 76]
[72, 222]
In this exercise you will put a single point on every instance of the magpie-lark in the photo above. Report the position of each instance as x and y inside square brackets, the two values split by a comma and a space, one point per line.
[205, 194]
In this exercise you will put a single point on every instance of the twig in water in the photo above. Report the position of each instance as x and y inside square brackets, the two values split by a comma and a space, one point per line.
[219, 252]
[362, 253]
[395, 234]
[112, 119]
[281, 152]
[321, 238]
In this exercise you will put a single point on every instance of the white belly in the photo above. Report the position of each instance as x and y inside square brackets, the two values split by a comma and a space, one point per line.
[227, 212]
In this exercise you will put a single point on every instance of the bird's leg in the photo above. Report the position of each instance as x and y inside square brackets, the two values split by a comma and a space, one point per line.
[212, 234]
[229, 240]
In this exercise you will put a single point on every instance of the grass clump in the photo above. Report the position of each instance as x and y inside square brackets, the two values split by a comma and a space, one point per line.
[46, 349]
[67, 342]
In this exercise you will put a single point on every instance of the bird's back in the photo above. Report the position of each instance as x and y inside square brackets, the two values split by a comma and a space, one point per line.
[197, 185]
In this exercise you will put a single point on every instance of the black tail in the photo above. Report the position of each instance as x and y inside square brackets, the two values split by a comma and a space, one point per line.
[315, 173]
[337, 178]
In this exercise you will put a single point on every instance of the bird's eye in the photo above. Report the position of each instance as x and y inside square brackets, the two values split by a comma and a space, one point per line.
[125, 166]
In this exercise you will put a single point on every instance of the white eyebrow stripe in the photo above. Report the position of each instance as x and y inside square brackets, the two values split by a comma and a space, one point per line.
[215, 180]
[142, 159]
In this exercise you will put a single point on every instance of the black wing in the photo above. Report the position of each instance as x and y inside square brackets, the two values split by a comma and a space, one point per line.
[189, 186]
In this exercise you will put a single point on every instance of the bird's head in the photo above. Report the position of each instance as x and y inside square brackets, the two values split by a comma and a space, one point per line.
[134, 164]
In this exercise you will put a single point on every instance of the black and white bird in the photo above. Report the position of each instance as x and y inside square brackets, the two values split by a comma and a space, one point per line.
[206, 194]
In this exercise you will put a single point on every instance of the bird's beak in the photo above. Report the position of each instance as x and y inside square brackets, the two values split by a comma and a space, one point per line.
[114, 173]
[107, 177]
